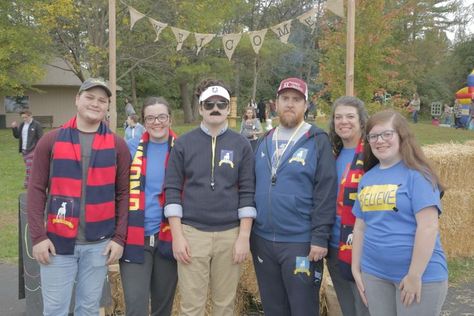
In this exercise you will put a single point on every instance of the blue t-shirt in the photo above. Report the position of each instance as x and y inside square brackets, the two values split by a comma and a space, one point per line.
[387, 201]
[155, 174]
[343, 164]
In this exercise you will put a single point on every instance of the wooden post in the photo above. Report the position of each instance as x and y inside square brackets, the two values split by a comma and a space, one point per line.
[233, 113]
[112, 67]
[350, 47]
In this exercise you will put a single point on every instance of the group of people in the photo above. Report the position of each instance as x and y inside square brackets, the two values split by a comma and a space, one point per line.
[189, 210]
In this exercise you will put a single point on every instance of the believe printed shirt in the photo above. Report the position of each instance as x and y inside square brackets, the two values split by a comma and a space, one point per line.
[388, 200]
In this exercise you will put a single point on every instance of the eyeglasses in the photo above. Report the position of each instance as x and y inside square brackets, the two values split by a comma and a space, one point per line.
[385, 135]
[209, 105]
[162, 118]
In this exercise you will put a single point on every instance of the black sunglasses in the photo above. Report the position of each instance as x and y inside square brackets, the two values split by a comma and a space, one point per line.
[209, 105]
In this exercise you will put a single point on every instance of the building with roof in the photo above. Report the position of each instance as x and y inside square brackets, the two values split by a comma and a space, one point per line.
[51, 100]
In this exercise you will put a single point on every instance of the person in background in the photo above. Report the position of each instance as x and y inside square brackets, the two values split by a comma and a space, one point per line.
[210, 187]
[347, 132]
[295, 196]
[147, 273]
[129, 110]
[457, 109]
[262, 111]
[470, 124]
[398, 263]
[134, 128]
[250, 126]
[447, 114]
[80, 178]
[415, 105]
[28, 134]
[272, 108]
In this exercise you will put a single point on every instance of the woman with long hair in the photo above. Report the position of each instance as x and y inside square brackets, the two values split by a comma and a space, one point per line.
[398, 263]
[346, 131]
[250, 126]
[147, 268]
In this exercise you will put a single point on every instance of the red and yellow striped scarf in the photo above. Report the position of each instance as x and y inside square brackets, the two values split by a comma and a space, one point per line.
[134, 245]
[345, 201]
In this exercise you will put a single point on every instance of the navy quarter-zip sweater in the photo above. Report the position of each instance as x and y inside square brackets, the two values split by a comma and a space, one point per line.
[299, 203]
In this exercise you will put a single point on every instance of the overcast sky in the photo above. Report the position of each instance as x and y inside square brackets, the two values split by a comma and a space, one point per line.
[470, 27]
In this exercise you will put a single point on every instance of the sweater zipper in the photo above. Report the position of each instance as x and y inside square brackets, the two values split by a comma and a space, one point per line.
[213, 157]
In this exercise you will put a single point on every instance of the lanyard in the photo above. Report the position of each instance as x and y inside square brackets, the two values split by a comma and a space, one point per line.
[277, 155]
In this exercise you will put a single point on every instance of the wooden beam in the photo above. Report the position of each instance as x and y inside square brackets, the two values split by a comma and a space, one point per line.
[350, 47]
[112, 67]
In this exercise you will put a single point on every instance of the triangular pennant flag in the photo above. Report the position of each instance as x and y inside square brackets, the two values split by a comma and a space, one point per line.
[230, 42]
[202, 40]
[181, 36]
[134, 16]
[158, 27]
[283, 31]
[336, 7]
[309, 18]
[256, 39]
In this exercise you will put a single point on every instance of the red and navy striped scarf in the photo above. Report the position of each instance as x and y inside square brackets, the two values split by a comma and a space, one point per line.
[135, 243]
[345, 201]
[65, 188]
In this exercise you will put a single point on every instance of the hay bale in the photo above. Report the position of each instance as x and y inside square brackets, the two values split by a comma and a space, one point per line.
[456, 223]
[453, 162]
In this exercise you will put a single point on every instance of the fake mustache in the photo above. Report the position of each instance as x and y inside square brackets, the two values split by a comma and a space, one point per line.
[216, 113]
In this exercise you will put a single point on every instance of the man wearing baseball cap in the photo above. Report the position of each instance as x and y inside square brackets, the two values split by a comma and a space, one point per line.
[295, 196]
[80, 176]
[209, 190]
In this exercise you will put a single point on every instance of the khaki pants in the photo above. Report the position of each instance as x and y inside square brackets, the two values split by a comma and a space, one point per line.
[211, 264]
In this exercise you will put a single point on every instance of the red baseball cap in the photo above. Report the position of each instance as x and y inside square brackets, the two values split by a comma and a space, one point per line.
[295, 84]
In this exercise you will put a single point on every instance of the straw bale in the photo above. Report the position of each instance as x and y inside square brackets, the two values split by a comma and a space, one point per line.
[456, 223]
[454, 164]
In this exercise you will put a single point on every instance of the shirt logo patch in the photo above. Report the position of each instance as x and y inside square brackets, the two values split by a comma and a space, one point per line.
[299, 156]
[302, 265]
[227, 157]
[378, 198]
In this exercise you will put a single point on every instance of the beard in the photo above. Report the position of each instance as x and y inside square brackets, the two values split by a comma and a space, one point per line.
[290, 119]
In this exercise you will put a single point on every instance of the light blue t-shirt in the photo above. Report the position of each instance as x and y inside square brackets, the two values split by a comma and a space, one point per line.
[387, 201]
[155, 174]
[343, 164]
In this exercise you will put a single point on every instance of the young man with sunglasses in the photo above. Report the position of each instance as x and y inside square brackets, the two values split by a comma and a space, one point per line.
[209, 191]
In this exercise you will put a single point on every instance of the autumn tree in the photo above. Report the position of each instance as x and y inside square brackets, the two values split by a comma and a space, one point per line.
[24, 48]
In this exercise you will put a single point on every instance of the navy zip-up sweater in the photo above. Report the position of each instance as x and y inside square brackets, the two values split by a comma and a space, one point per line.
[299, 205]
[205, 199]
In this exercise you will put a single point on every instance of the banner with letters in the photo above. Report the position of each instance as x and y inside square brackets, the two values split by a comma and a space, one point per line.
[230, 41]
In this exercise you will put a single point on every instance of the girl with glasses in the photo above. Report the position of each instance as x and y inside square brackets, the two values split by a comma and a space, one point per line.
[148, 269]
[398, 263]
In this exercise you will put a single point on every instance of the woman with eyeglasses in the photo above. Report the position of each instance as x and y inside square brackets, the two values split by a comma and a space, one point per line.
[148, 271]
[397, 261]
[346, 131]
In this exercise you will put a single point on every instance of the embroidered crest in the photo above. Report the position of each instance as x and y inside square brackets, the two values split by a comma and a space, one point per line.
[227, 157]
[61, 216]
[302, 265]
[299, 156]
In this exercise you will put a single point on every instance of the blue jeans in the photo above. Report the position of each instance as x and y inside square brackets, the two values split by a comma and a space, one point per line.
[87, 267]
[415, 116]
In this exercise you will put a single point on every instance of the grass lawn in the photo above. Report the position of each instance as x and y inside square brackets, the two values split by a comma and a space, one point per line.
[12, 173]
